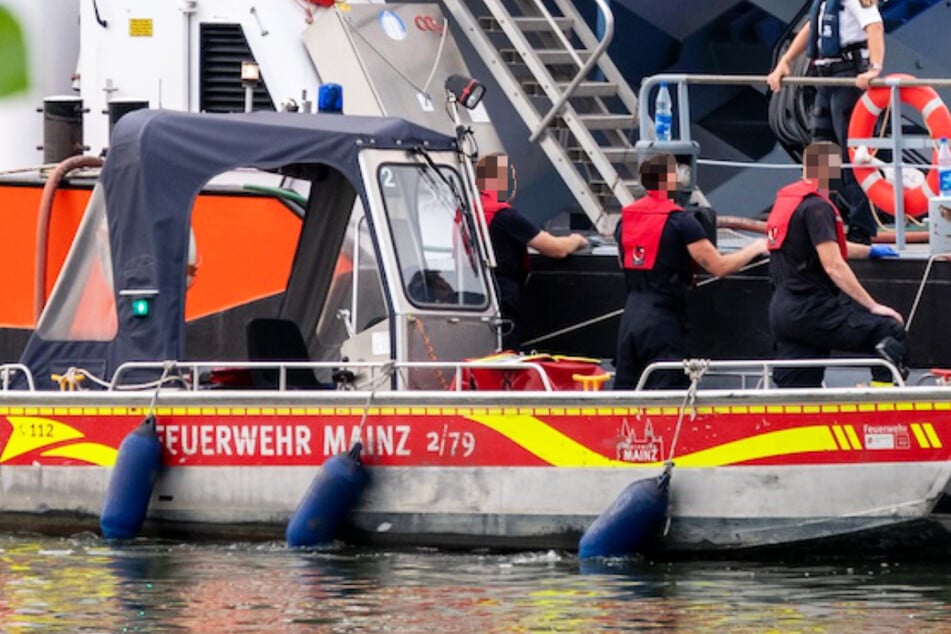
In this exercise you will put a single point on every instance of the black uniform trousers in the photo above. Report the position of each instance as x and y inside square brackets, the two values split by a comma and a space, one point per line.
[653, 328]
[809, 325]
[831, 113]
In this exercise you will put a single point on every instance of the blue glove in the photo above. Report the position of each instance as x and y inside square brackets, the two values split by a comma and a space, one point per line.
[881, 251]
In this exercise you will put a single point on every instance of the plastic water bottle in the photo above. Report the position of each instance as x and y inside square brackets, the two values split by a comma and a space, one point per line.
[663, 114]
[944, 167]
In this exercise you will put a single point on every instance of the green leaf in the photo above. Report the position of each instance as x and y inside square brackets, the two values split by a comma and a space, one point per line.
[14, 76]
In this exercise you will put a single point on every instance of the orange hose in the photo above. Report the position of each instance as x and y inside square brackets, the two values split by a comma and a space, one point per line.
[43, 223]
[740, 223]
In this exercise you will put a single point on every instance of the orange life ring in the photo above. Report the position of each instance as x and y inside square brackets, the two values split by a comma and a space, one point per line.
[862, 125]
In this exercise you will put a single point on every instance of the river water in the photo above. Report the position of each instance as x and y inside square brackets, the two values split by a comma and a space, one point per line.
[84, 584]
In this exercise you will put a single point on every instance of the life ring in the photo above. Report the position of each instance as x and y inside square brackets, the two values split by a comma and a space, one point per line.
[862, 125]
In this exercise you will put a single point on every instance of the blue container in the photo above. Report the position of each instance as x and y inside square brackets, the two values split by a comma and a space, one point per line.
[624, 526]
[131, 482]
[332, 494]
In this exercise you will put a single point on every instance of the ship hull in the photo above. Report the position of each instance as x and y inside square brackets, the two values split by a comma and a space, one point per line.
[755, 470]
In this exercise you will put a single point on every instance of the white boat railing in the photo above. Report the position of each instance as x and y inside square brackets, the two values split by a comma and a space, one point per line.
[764, 368]
[897, 143]
[191, 375]
[375, 369]
[9, 370]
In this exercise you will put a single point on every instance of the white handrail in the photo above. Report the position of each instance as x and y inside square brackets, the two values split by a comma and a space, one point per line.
[7, 370]
[194, 368]
[898, 143]
[766, 366]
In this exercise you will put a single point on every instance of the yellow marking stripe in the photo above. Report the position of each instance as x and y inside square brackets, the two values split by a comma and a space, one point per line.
[840, 438]
[853, 437]
[545, 442]
[776, 443]
[932, 435]
[920, 435]
[463, 411]
[91, 452]
[559, 450]
[30, 433]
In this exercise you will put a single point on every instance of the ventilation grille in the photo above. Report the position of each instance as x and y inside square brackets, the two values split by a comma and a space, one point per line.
[223, 48]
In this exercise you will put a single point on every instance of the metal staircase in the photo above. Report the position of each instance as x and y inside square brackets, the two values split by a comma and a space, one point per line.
[581, 111]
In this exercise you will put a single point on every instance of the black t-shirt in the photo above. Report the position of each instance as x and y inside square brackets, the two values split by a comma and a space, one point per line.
[796, 266]
[673, 259]
[510, 232]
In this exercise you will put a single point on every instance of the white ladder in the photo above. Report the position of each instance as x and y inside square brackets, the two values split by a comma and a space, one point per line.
[579, 107]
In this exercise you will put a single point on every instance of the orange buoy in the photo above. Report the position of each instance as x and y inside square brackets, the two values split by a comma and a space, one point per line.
[862, 125]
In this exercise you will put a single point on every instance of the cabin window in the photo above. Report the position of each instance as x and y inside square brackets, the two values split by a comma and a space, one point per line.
[355, 300]
[82, 305]
[434, 236]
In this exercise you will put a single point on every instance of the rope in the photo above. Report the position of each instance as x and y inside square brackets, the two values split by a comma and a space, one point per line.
[375, 384]
[166, 368]
[79, 374]
[442, 42]
[921, 288]
[70, 380]
[695, 369]
[384, 58]
[431, 352]
[615, 313]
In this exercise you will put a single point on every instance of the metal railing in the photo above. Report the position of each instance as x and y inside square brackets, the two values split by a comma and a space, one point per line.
[764, 368]
[188, 374]
[194, 369]
[897, 143]
[7, 372]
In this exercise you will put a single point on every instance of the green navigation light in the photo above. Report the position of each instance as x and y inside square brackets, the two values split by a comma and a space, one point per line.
[140, 307]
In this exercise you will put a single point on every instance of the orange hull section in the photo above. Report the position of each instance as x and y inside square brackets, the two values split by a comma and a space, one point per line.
[245, 248]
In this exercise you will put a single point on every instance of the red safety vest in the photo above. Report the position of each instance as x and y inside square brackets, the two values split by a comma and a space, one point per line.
[787, 200]
[491, 205]
[642, 224]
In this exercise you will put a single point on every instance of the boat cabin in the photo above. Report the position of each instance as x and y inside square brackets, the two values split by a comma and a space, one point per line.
[389, 262]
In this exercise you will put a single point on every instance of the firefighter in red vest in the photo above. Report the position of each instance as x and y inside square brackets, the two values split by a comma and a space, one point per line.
[511, 233]
[842, 38]
[818, 304]
[658, 244]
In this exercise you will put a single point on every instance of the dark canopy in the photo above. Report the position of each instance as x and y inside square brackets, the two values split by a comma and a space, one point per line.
[157, 164]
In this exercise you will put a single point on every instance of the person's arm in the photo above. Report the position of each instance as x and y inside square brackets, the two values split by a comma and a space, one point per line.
[843, 277]
[557, 246]
[857, 251]
[876, 54]
[706, 255]
[796, 48]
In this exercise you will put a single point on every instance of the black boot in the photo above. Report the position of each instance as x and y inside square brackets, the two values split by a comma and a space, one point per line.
[893, 351]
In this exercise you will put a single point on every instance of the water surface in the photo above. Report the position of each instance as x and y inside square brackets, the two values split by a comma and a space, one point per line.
[84, 584]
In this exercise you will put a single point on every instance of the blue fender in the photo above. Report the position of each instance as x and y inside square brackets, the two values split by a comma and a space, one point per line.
[332, 494]
[131, 482]
[622, 528]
